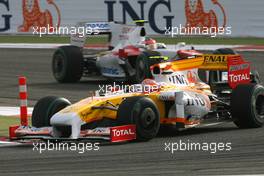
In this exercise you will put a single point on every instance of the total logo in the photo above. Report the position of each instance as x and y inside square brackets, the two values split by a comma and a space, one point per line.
[238, 72]
[123, 133]
[238, 78]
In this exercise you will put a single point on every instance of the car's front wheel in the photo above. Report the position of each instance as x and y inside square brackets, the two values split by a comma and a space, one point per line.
[45, 108]
[142, 66]
[142, 112]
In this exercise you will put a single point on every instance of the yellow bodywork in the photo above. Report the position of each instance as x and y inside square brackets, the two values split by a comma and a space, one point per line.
[84, 108]
[203, 62]
[86, 111]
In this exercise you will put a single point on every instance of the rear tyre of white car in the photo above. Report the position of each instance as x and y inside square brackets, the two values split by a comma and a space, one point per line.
[142, 66]
[142, 112]
[45, 108]
[67, 64]
[225, 51]
[247, 105]
[203, 75]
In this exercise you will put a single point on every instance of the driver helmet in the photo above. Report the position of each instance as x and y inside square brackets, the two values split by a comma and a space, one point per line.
[150, 85]
[150, 43]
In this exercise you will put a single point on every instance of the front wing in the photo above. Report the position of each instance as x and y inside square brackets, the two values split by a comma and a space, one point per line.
[111, 134]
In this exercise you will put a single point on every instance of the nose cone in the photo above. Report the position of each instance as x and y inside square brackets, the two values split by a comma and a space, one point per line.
[66, 119]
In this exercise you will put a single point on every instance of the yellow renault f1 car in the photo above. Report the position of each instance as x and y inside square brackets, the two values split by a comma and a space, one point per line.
[175, 97]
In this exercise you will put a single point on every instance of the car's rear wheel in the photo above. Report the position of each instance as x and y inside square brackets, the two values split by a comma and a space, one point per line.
[67, 64]
[46, 108]
[142, 112]
[247, 105]
[254, 77]
[142, 67]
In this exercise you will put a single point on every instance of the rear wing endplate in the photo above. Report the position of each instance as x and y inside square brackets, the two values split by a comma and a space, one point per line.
[238, 70]
[119, 35]
[89, 28]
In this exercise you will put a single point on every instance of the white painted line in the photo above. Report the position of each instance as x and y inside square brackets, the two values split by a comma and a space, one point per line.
[9, 144]
[55, 45]
[6, 142]
[31, 45]
[204, 47]
[249, 49]
[197, 47]
[12, 111]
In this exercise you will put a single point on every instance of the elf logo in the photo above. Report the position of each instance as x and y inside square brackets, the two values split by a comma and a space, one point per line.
[123, 133]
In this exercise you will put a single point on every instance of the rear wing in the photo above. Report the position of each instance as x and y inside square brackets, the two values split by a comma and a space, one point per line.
[85, 29]
[119, 35]
[215, 62]
[238, 70]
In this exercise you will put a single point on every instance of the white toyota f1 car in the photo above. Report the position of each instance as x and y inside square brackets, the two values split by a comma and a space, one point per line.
[175, 97]
[129, 57]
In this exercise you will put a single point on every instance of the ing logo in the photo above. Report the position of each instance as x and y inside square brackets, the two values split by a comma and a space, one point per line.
[33, 16]
[197, 17]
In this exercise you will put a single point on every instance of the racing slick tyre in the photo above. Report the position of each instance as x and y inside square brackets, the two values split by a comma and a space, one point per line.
[254, 77]
[142, 67]
[247, 105]
[203, 74]
[224, 51]
[142, 112]
[67, 64]
[46, 108]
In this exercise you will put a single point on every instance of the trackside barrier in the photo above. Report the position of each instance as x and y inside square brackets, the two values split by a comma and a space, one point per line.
[23, 107]
[23, 101]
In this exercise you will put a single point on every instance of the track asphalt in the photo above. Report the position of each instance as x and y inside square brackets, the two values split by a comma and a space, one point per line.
[148, 158]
